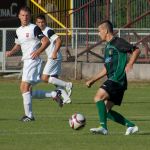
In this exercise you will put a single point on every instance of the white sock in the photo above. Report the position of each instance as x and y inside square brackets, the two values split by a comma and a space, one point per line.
[27, 102]
[39, 94]
[57, 82]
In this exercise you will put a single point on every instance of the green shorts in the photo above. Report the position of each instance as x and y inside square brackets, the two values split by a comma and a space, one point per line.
[115, 91]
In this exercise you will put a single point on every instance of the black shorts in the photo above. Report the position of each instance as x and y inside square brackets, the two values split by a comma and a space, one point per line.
[115, 91]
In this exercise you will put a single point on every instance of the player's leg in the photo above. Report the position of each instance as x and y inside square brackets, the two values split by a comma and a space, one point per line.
[27, 101]
[61, 83]
[53, 69]
[55, 95]
[101, 95]
[31, 73]
[117, 117]
[45, 94]
[41, 94]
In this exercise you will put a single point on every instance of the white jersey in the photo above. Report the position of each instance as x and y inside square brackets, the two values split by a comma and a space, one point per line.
[28, 37]
[52, 37]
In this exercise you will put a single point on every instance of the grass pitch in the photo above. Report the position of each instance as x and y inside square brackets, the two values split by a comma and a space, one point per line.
[51, 130]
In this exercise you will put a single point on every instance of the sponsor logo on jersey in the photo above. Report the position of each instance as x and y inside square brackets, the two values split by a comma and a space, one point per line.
[108, 59]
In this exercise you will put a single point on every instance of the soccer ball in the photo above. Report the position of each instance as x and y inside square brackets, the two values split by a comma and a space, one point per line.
[77, 121]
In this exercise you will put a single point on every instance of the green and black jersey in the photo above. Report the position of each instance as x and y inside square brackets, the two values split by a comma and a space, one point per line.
[116, 59]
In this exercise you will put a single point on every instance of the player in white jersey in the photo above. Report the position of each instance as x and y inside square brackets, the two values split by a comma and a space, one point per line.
[52, 68]
[30, 39]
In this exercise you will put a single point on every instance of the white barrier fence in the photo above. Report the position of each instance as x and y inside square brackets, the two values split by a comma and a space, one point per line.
[78, 40]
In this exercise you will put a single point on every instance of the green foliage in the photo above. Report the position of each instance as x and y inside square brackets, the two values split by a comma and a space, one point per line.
[51, 130]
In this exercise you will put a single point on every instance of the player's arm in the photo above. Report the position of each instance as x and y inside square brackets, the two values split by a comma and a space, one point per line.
[44, 42]
[132, 59]
[54, 38]
[57, 48]
[126, 47]
[97, 77]
[15, 49]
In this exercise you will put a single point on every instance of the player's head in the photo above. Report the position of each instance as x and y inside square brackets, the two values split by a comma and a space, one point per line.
[105, 28]
[41, 21]
[24, 15]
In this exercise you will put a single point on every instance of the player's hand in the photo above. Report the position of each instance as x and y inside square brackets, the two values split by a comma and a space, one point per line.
[89, 83]
[35, 54]
[8, 53]
[128, 68]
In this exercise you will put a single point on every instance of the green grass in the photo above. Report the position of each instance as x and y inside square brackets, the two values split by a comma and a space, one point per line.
[51, 130]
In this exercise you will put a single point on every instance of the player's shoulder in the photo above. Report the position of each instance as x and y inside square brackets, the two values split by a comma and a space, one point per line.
[49, 32]
[121, 44]
[48, 28]
[31, 25]
[19, 30]
[117, 40]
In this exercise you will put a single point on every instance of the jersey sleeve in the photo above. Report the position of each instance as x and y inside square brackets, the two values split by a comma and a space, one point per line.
[51, 35]
[38, 33]
[123, 46]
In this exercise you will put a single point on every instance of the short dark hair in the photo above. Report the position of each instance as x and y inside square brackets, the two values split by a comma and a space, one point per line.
[108, 25]
[25, 8]
[41, 16]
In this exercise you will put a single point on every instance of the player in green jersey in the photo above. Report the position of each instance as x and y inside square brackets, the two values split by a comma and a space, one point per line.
[115, 68]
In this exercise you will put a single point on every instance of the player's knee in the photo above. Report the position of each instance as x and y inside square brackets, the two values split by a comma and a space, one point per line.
[24, 87]
[44, 78]
[21, 88]
[96, 98]
[99, 97]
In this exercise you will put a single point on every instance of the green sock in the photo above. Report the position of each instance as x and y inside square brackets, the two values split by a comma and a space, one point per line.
[102, 113]
[115, 116]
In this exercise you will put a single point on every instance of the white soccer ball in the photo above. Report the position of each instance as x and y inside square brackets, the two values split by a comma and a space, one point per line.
[77, 121]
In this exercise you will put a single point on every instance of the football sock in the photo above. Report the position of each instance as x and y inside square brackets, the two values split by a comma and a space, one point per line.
[102, 113]
[57, 82]
[39, 94]
[27, 102]
[115, 116]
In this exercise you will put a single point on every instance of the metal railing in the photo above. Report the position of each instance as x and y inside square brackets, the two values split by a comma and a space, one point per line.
[80, 41]
[89, 13]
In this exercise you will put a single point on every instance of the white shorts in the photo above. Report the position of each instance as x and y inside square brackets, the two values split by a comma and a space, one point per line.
[52, 67]
[32, 71]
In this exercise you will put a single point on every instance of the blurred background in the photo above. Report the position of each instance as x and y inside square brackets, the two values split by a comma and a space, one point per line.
[76, 22]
